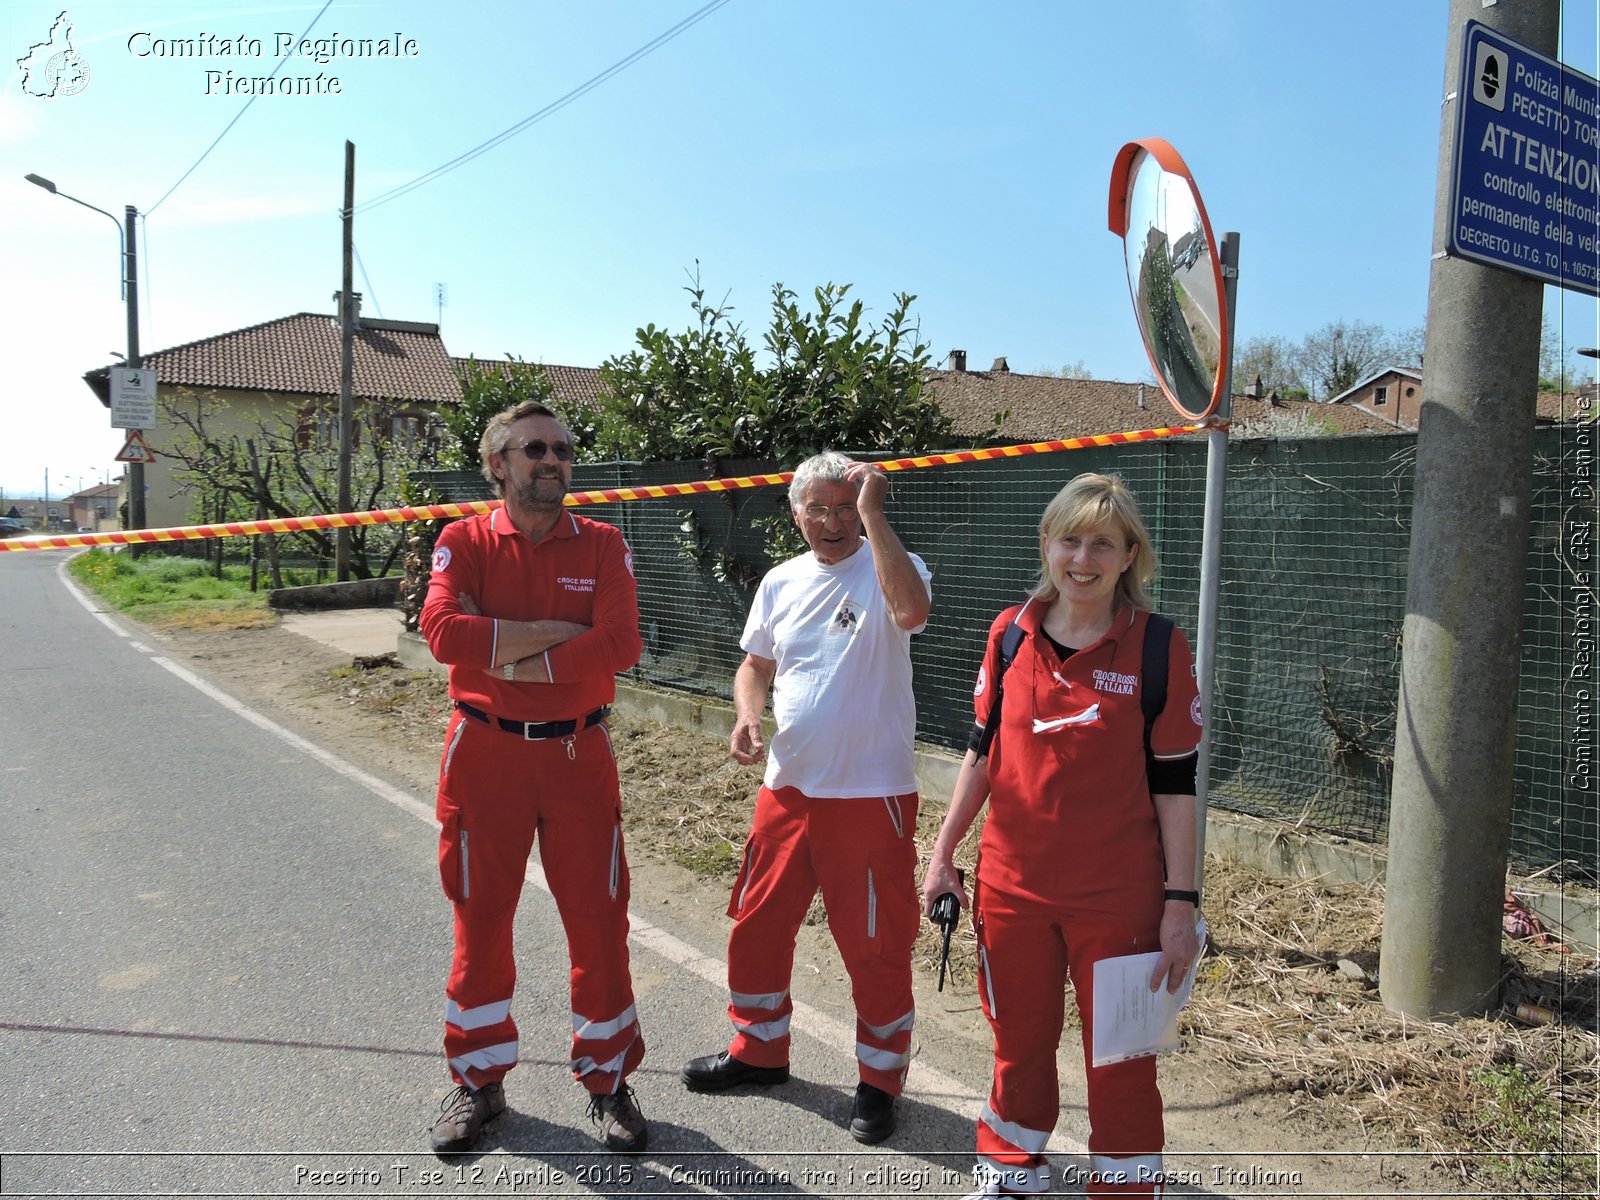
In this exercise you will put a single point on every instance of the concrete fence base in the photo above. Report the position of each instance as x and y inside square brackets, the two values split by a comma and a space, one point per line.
[355, 593]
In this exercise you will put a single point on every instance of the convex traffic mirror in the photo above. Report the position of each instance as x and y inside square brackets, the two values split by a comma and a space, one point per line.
[1174, 273]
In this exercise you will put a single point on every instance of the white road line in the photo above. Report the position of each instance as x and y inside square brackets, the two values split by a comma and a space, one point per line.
[954, 1095]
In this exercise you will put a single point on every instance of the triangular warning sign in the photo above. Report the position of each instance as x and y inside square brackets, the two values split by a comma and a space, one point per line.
[134, 450]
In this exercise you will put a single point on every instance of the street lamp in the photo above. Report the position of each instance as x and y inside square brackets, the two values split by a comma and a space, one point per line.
[130, 293]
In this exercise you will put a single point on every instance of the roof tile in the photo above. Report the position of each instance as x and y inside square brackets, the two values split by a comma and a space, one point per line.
[396, 360]
[1044, 407]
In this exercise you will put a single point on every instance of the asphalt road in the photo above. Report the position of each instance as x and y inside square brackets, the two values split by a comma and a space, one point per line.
[225, 955]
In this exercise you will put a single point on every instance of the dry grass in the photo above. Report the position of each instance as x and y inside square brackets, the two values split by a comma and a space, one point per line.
[1286, 1002]
[212, 616]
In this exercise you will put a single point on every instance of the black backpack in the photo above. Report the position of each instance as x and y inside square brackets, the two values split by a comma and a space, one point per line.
[1152, 677]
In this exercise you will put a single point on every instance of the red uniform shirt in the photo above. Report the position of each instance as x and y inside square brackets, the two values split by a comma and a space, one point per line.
[582, 572]
[1070, 818]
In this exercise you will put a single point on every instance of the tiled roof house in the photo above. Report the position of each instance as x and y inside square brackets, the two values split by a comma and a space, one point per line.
[1394, 394]
[1044, 407]
[288, 369]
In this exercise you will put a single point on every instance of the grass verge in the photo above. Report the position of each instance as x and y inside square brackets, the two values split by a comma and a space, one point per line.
[173, 593]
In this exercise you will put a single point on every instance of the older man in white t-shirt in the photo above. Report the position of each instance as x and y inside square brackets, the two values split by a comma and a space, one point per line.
[829, 634]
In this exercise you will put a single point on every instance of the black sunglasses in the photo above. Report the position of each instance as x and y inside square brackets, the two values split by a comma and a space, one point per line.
[537, 450]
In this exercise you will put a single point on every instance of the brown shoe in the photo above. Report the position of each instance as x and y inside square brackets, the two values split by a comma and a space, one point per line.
[462, 1116]
[621, 1123]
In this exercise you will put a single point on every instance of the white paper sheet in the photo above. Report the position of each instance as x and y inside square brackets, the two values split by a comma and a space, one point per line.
[1131, 1021]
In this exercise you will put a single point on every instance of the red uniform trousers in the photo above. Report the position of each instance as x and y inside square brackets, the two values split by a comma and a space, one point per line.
[496, 791]
[1025, 954]
[863, 854]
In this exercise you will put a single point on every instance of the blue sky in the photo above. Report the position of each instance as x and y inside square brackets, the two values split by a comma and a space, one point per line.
[958, 151]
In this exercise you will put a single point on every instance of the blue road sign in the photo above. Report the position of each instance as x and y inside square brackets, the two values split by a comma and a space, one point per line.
[1525, 193]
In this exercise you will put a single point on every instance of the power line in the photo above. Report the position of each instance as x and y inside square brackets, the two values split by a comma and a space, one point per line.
[548, 110]
[367, 279]
[237, 115]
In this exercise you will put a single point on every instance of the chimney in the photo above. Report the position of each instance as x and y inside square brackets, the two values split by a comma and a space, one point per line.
[957, 361]
[1001, 367]
[338, 309]
[1142, 404]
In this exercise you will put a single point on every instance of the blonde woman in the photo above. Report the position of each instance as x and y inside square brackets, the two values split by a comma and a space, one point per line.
[1088, 851]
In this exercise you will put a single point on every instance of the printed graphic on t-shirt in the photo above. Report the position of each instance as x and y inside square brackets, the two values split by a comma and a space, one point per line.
[845, 618]
[441, 558]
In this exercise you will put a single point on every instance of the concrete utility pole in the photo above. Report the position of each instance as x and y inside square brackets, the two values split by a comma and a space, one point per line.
[347, 324]
[1455, 737]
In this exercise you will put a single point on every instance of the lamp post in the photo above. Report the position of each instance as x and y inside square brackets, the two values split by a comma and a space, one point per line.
[130, 293]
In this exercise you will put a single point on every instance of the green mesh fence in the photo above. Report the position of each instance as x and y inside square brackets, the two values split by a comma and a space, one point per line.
[1311, 610]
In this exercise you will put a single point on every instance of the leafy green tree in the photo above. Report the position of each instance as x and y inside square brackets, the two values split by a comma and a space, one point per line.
[678, 396]
[836, 381]
[831, 379]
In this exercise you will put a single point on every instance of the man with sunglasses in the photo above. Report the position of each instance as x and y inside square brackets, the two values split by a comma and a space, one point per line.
[829, 634]
[534, 609]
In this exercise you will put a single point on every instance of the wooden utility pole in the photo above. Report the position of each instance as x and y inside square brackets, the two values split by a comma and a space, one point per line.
[347, 325]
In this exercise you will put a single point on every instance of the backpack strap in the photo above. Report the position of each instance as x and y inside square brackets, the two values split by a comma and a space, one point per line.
[1010, 643]
[1153, 673]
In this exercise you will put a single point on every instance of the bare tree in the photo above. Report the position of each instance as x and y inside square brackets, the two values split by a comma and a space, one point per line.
[284, 463]
[1341, 354]
[1272, 359]
[1072, 370]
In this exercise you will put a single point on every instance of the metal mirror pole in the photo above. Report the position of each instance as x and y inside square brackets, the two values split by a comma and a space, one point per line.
[1211, 554]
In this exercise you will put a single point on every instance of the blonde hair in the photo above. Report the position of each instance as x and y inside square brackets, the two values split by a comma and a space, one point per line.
[1091, 500]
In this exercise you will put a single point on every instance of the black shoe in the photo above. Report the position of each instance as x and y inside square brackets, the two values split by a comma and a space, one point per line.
[718, 1072]
[462, 1116]
[872, 1118]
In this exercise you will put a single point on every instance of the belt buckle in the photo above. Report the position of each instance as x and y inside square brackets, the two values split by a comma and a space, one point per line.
[527, 731]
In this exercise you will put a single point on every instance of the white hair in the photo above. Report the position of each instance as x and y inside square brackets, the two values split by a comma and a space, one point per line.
[828, 467]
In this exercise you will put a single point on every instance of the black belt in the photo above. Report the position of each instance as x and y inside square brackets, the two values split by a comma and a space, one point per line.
[535, 731]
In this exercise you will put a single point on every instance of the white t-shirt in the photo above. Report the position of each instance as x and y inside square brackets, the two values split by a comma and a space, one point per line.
[841, 695]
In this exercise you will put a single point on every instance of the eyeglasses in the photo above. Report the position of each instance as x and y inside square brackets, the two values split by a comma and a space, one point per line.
[537, 450]
[819, 512]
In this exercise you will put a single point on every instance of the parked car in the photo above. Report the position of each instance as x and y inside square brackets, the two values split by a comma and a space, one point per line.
[10, 528]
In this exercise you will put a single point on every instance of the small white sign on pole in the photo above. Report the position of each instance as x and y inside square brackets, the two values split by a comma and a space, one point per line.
[133, 398]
